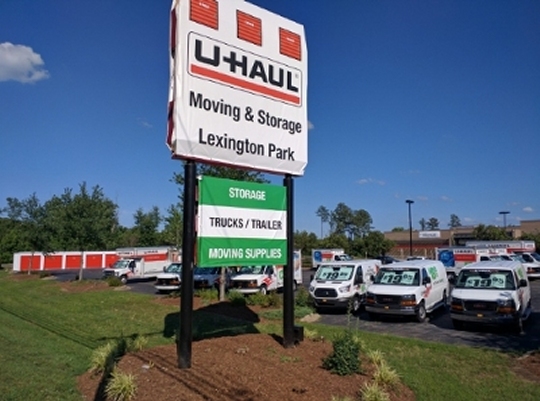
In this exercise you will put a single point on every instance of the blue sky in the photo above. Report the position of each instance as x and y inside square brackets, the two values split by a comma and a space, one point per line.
[434, 101]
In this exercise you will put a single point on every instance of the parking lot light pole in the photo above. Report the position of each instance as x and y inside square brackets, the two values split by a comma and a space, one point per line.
[409, 203]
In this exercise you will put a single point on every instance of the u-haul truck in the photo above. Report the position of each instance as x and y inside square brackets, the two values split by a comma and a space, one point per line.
[253, 279]
[455, 257]
[319, 256]
[141, 262]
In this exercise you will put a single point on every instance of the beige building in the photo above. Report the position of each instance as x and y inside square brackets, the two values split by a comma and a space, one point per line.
[425, 242]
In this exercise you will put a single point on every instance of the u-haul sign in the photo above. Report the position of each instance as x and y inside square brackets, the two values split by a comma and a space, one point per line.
[238, 86]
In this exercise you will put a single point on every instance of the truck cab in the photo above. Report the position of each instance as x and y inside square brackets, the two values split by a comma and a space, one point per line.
[170, 279]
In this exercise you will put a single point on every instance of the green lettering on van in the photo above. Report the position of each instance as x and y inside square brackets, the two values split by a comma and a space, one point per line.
[432, 271]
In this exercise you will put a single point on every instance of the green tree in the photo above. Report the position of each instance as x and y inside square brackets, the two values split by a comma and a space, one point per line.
[372, 245]
[173, 230]
[489, 233]
[454, 221]
[27, 217]
[84, 221]
[324, 214]
[305, 241]
[146, 227]
[397, 229]
[432, 224]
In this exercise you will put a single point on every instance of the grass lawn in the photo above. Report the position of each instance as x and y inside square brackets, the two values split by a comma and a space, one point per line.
[47, 337]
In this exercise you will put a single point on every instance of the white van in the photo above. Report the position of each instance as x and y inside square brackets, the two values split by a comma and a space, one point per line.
[414, 288]
[491, 293]
[342, 284]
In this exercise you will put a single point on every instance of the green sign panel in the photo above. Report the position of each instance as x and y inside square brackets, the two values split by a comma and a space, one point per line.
[241, 223]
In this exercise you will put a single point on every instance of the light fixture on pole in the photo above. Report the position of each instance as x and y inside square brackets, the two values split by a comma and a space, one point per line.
[410, 202]
[504, 213]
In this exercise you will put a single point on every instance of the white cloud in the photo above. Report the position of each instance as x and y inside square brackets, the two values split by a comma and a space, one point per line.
[20, 63]
[143, 123]
[446, 198]
[363, 181]
[422, 198]
[528, 209]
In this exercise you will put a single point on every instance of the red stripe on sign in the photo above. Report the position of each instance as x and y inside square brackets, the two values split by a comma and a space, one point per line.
[204, 12]
[170, 123]
[249, 28]
[227, 79]
[290, 44]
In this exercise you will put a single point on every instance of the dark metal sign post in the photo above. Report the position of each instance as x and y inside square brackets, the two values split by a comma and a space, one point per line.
[188, 256]
[288, 274]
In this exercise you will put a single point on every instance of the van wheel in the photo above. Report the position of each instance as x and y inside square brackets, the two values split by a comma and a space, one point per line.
[458, 324]
[123, 280]
[263, 290]
[421, 313]
[356, 305]
[445, 300]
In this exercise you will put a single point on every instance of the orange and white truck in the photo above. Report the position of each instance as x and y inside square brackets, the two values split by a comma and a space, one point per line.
[141, 262]
[455, 257]
[319, 256]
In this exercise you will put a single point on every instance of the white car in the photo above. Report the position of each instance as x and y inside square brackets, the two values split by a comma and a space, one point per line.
[170, 279]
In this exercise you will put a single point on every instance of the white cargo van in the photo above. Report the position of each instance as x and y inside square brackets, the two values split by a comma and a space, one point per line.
[491, 293]
[414, 288]
[342, 284]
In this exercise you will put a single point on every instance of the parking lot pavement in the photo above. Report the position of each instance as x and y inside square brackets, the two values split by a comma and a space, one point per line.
[439, 328]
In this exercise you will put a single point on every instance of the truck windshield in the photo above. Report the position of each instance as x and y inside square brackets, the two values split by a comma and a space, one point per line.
[334, 272]
[174, 268]
[206, 270]
[252, 270]
[388, 276]
[121, 264]
[485, 279]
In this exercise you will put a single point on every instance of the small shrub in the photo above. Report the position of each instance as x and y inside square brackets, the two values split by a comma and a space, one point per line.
[137, 343]
[121, 386]
[113, 281]
[302, 298]
[386, 376]
[174, 294]
[376, 357]
[236, 298]
[336, 398]
[274, 300]
[207, 295]
[102, 358]
[258, 299]
[373, 392]
[312, 335]
[345, 357]
[44, 274]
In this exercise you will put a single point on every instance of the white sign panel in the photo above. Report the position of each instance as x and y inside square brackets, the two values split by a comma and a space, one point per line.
[429, 234]
[238, 86]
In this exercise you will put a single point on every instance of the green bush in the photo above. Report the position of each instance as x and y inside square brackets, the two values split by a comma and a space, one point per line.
[209, 294]
[236, 298]
[121, 386]
[113, 281]
[302, 298]
[345, 357]
[258, 299]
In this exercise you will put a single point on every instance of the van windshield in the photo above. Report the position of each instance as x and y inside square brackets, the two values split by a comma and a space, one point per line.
[388, 276]
[486, 279]
[252, 270]
[174, 268]
[334, 272]
[206, 270]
